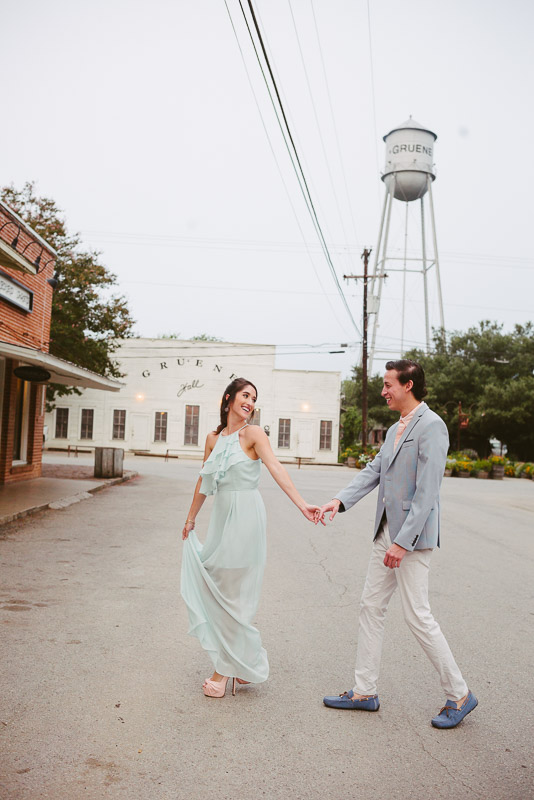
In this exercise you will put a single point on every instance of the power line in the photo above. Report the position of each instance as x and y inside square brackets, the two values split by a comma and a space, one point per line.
[316, 116]
[372, 82]
[330, 104]
[274, 154]
[302, 179]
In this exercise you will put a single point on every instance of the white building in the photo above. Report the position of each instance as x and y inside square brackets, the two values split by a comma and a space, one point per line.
[171, 400]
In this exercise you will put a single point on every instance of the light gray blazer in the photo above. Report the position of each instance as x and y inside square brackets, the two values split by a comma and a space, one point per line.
[409, 480]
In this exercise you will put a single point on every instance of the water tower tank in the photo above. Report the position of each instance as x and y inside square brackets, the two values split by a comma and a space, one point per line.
[409, 160]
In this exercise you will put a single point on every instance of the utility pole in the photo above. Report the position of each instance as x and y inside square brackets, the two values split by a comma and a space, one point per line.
[365, 256]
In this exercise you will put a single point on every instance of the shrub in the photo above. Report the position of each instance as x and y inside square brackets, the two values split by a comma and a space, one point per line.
[497, 460]
[464, 455]
[465, 466]
[482, 465]
[509, 469]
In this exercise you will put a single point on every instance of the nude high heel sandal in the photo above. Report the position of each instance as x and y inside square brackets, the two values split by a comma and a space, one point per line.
[217, 688]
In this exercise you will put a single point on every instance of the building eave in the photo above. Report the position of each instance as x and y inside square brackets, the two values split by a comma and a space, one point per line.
[63, 372]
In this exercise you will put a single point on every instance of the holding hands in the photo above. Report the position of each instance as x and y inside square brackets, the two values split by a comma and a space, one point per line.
[393, 556]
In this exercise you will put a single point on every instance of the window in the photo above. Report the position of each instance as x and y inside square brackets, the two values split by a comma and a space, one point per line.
[87, 423]
[284, 432]
[160, 431]
[62, 423]
[256, 417]
[119, 423]
[325, 438]
[191, 424]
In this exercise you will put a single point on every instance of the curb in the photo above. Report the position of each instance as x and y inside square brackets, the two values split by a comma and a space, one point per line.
[58, 505]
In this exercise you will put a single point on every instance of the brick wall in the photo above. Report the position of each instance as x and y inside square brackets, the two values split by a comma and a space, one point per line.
[27, 329]
[30, 329]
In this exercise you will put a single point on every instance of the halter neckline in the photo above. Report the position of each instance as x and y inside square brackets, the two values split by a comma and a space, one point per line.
[237, 431]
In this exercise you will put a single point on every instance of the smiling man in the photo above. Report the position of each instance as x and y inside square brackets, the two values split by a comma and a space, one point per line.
[408, 471]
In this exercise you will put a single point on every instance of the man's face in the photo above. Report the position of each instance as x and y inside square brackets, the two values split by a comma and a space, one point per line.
[394, 393]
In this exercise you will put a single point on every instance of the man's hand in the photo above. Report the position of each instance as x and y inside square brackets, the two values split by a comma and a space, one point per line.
[332, 506]
[394, 556]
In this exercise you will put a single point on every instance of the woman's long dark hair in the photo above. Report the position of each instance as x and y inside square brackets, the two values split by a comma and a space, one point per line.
[232, 389]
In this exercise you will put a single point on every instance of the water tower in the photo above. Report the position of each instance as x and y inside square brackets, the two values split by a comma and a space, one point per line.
[408, 177]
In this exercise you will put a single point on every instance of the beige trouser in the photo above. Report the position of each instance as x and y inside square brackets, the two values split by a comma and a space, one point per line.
[411, 578]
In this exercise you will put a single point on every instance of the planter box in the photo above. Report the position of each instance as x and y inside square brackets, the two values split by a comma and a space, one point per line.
[351, 461]
[497, 472]
[464, 474]
[447, 473]
[524, 475]
[482, 474]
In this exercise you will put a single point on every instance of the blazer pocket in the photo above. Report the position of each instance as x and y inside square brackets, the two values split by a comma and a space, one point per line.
[406, 505]
[408, 443]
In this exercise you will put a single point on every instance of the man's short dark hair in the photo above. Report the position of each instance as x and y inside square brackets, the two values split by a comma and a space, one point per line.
[408, 370]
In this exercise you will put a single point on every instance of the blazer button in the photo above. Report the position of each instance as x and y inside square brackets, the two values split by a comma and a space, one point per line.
[383, 499]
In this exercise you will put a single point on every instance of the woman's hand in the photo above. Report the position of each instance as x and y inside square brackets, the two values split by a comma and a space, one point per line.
[188, 527]
[313, 513]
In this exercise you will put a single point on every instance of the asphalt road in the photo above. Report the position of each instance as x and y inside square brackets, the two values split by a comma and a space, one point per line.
[101, 687]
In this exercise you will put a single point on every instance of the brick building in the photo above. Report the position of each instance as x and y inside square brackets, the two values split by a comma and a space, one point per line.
[26, 286]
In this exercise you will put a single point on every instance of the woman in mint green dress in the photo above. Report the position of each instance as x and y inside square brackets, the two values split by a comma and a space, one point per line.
[221, 579]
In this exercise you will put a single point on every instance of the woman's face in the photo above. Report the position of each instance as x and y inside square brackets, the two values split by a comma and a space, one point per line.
[244, 402]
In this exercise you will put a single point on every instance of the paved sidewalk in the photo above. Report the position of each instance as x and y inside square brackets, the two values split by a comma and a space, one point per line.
[61, 485]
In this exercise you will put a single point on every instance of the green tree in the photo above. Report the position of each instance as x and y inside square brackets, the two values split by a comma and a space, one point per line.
[491, 374]
[88, 320]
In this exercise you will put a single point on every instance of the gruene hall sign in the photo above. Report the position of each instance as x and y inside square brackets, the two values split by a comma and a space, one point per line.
[172, 365]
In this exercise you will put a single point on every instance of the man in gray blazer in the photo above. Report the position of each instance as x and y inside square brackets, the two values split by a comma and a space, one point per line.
[408, 471]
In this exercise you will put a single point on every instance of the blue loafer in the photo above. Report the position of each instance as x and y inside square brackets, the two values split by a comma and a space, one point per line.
[450, 716]
[348, 701]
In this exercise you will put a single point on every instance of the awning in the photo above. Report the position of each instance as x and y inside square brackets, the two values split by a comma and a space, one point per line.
[60, 371]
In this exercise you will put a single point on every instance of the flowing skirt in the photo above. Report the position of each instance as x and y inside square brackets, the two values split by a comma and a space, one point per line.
[221, 584]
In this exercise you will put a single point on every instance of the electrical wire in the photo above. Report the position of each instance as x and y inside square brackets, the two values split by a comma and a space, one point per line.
[308, 251]
[300, 173]
[316, 116]
[332, 115]
[372, 82]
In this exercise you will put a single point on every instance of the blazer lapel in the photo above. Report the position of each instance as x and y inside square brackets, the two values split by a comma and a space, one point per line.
[409, 428]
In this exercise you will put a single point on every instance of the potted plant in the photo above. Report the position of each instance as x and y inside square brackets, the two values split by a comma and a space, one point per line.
[509, 469]
[450, 467]
[350, 455]
[465, 468]
[497, 467]
[482, 468]
[528, 470]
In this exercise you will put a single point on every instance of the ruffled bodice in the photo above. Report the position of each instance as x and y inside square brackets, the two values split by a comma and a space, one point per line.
[228, 468]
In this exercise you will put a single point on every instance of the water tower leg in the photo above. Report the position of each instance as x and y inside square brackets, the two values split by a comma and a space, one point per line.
[388, 202]
[425, 280]
[377, 269]
[404, 281]
[436, 259]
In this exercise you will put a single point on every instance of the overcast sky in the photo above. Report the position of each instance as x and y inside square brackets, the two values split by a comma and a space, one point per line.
[156, 136]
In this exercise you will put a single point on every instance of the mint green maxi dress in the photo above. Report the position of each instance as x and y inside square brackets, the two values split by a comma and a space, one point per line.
[222, 578]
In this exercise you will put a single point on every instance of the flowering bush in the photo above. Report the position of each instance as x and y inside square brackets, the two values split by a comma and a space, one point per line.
[365, 458]
[465, 466]
[528, 469]
[509, 469]
[482, 465]
[497, 460]
[354, 451]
